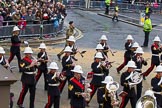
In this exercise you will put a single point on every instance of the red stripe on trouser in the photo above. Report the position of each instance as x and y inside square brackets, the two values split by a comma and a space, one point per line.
[149, 70]
[11, 58]
[21, 94]
[122, 103]
[49, 102]
[38, 75]
[122, 65]
[62, 84]
[93, 89]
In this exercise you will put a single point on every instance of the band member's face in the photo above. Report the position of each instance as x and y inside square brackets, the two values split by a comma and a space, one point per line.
[99, 50]
[52, 71]
[130, 69]
[70, 42]
[16, 33]
[1, 55]
[139, 54]
[156, 42]
[98, 59]
[77, 75]
[129, 41]
[68, 53]
[160, 74]
[103, 41]
[28, 55]
[72, 25]
[43, 50]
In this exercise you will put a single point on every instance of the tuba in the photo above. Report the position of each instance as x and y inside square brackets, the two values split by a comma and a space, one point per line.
[136, 78]
[147, 101]
[112, 87]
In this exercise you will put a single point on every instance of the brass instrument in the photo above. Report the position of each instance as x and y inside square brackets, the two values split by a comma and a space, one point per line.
[135, 77]
[112, 88]
[147, 101]
[87, 90]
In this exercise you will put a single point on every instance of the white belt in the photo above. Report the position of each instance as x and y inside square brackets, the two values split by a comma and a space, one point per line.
[57, 84]
[30, 73]
[99, 74]
[155, 55]
[137, 69]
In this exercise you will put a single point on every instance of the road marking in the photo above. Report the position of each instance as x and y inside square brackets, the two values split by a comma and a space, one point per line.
[160, 25]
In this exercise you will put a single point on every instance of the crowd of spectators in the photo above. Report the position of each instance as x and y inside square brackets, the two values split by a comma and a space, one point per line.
[22, 12]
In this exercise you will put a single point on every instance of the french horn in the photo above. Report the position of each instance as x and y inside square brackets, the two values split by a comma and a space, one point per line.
[136, 78]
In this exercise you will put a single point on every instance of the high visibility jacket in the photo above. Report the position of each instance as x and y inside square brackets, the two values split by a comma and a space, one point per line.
[107, 2]
[116, 8]
[147, 25]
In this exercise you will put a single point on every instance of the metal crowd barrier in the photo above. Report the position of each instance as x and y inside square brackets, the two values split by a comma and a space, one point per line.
[33, 30]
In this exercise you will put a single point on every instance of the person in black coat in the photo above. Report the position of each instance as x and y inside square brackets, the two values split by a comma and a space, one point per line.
[127, 54]
[156, 84]
[43, 60]
[99, 71]
[68, 65]
[156, 49]
[77, 88]
[131, 94]
[27, 67]
[103, 95]
[15, 45]
[53, 89]
[139, 61]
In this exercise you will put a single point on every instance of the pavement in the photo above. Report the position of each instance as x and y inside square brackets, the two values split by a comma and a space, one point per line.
[89, 35]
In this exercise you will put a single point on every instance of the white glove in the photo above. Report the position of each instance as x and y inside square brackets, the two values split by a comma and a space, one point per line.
[130, 45]
[103, 96]
[26, 42]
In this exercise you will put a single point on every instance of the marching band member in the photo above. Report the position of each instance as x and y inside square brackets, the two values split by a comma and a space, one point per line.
[99, 48]
[98, 69]
[155, 60]
[71, 43]
[125, 77]
[127, 54]
[103, 95]
[15, 47]
[103, 42]
[68, 65]
[156, 83]
[77, 88]
[42, 68]
[53, 83]
[3, 61]
[28, 68]
[139, 61]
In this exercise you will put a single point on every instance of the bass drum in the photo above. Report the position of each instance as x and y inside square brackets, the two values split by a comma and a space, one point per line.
[146, 101]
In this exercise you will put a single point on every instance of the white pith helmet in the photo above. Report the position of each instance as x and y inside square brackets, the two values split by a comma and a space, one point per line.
[129, 37]
[99, 55]
[135, 45]
[53, 65]
[158, 69]
[99, 46]
[77, 69]
[42, 46]
[16, 28]
[28, 50]
[157, 39]
[2, 50]
[131, 64]
[139, 50]
[108, 79]
[149, 92]
[103, 37]
[67, 49]
[71, 38]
